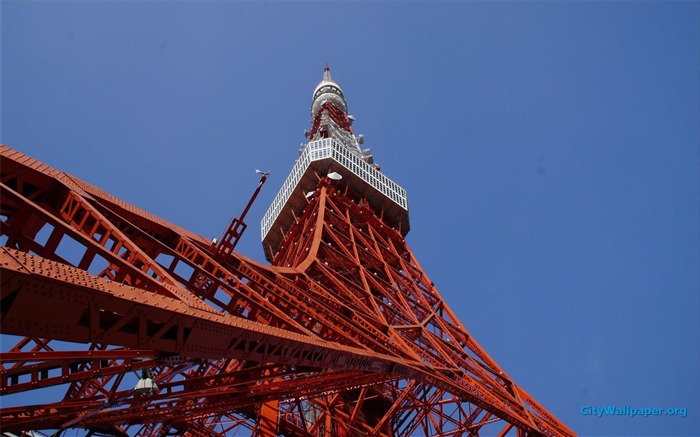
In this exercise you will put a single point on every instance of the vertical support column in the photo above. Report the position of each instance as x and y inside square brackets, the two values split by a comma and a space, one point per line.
[268, 425]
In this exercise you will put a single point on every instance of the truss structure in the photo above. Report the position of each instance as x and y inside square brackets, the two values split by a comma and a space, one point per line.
[343, 335]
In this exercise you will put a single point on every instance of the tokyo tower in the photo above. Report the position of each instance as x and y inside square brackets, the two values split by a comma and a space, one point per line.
[116, 322]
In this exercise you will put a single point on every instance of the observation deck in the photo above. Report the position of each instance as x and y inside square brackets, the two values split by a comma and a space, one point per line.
[318, 158]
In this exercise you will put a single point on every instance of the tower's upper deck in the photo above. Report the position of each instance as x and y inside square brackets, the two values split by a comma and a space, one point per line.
[332, 147]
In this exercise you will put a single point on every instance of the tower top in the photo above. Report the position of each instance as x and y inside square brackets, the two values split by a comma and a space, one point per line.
[327, 90]
[330, 118]
[332, 148]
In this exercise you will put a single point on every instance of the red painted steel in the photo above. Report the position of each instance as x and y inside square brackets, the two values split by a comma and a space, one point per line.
[343, 335]
[235, 229]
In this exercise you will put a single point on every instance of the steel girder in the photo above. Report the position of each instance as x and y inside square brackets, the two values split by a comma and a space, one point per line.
[343, 336]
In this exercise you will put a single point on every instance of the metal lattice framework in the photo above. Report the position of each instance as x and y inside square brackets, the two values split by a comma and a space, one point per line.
[343, 335]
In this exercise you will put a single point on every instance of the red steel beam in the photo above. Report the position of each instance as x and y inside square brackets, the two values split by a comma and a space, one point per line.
[34, 370]
[79, 307]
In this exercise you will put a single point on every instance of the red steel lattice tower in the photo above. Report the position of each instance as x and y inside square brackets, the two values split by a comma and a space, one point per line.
[143, 328]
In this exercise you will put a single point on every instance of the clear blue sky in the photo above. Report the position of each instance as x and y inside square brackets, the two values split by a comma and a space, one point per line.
[550, 152]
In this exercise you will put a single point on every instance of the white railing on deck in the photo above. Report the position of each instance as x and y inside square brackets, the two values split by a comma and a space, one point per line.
[329, 148]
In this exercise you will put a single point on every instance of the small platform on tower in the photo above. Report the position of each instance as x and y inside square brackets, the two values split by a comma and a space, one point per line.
[318, 159]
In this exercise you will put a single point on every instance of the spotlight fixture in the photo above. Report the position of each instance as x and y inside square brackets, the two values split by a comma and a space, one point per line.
[146, 385]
